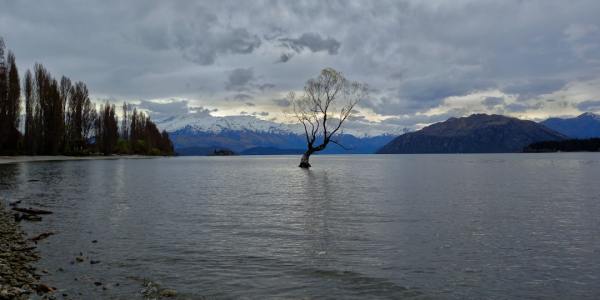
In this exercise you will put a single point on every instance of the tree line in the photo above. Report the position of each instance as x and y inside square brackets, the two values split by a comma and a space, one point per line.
[571, 145]
[60, 118]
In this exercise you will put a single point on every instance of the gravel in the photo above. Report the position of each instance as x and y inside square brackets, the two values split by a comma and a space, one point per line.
[18, 279]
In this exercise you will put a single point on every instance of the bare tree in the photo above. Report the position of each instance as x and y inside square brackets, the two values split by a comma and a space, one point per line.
[125, 121]
[326, 104]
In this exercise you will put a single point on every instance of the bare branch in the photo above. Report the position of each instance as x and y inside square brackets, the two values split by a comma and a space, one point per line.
[326, 99]
[343, 147]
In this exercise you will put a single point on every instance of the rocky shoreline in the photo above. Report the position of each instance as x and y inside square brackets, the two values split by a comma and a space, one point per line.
[18, 279]
[18, 254]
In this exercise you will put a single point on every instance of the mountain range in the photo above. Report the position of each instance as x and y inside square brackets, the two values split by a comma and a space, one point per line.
[195, 134]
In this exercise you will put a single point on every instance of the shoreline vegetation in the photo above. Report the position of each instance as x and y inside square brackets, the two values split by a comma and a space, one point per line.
[60, 118]
[41, 158]
[570, 145]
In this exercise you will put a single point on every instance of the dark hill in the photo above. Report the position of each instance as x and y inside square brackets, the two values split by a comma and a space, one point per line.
[479, 133]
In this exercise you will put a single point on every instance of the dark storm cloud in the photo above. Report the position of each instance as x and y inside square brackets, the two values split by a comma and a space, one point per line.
[312, 41]
[239, 79]
[204, 52]
[285, 57]
[491, 102]
[199, 35]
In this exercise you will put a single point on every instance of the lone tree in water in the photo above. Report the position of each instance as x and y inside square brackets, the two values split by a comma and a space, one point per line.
[327, 102]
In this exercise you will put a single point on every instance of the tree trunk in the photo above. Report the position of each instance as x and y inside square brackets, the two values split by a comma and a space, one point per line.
[304, 161]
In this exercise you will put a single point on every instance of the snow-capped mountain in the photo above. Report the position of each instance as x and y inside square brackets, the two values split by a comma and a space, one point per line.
[202, 133]
[214, 124]
[208, 123]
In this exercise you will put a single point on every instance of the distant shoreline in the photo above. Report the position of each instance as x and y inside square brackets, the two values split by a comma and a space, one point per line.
[21, 159]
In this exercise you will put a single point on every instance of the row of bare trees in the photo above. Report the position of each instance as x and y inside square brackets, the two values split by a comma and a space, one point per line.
[9, 100]
[60, 118]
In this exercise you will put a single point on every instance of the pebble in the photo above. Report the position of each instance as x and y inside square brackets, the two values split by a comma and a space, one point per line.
[42, 288]
[17, 277]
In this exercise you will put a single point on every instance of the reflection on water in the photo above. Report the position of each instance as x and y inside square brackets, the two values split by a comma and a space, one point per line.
[408, 226]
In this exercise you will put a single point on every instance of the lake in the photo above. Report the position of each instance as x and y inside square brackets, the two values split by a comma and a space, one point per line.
[477, 226]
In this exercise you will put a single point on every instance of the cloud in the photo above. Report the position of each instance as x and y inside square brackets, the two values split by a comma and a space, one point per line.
[285, 57]
[282, 102]
[585, 41]
[161, 109]
[522, 107]
[204, 52]
[417, 55]
[198, 34]
[411, 120]
[533, 88]
[313, 41]
[202, 112]
[516, 107]
[491, 102]
[356, 118]
[422, 94]
[239, 79]
[266, 86]
[589, 106]
[242, 97]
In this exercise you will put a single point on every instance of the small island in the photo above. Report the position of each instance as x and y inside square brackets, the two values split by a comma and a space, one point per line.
[222, 152]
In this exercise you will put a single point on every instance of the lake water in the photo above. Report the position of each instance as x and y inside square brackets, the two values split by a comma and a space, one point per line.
[366, 226]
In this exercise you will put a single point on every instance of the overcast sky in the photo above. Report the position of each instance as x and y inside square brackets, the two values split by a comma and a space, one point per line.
[424, 60]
